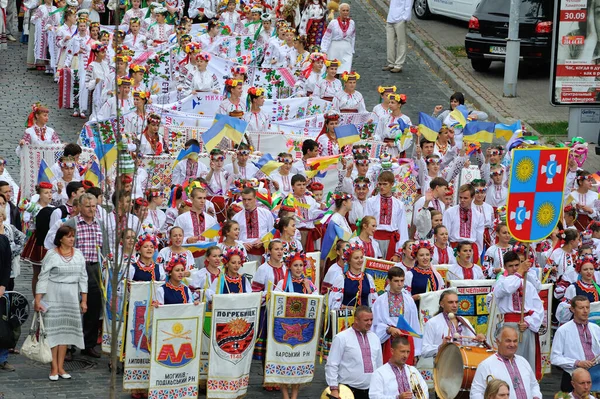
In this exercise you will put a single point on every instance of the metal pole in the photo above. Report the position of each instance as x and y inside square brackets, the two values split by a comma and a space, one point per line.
[513, 47]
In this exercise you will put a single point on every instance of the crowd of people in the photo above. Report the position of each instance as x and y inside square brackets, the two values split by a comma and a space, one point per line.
[70, 226]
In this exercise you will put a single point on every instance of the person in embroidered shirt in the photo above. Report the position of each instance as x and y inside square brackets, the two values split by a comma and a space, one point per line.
[422, 278]
[365, 232]
[582, 384]
[189, 168]
[585, 285]
[498, 189]
[464, 222]
[442, 327]
[392, 228]
[239, 167]
[230, 281]
[254, 223]
[196, 220]
[507, 366]
[174, 291]
[508, 293]
[569, 352]
[37, 132]
[355, 354]
[464, 269]
[308, 209]
[355, 287]
[391, 305]
[395, 378]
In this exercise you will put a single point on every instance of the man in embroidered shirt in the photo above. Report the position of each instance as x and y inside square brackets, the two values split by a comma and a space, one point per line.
[582, 384]
[254, 223]
[355, 354]
[393, 379]
[196, 221]
[575, 343]
[506, 365]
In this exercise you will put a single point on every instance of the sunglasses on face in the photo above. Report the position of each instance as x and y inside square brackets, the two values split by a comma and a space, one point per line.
[286, 160]
[481, 190]
[218, 158]
[498, 173]
[495, 152]
[361, 186]
[244, 152]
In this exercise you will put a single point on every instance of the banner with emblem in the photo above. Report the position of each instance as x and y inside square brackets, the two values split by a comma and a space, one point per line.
[535, 192]
[119, 315]
[378, 269]
[293, 335]
[472, 302]
[545, 332]
[176, 341]
[136, 369]
[233, 334]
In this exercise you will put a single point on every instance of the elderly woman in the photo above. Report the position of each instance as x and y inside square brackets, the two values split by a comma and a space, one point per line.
[62, 282]
[338, 40]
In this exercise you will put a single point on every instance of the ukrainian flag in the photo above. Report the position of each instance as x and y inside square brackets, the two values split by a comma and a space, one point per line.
[191, 152]
[321, 163]
[330, 238]
[460, 115]
[476, 131]
[429, 126]
[347, 134]
[403, 326]
[107, 155]
[506, 131]
[212, 232]
[94, 174]
[199, 248]
[44, 174]
[267, 164]
[224, 126]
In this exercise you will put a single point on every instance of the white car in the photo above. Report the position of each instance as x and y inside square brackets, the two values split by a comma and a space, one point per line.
[458, 9]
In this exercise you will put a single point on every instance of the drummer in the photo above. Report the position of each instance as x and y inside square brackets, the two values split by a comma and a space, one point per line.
[506, 365]
[569, 352]
[447, 326]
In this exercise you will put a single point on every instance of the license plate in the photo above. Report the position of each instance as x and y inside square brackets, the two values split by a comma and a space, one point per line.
[497, 49]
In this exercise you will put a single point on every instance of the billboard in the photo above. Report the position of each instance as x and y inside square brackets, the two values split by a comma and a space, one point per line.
[575, 78]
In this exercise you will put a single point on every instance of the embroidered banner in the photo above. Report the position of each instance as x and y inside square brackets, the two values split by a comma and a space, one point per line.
[472, 302]
[442, 270]
[293, 335]
[340, 321]
[176, 341]
[119, 316]
[233, 334]
[378, 269]
[136, 369]
[313, 271]
[545, 332]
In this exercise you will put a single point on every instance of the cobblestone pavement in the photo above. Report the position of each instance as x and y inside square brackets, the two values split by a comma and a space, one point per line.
[21, 88]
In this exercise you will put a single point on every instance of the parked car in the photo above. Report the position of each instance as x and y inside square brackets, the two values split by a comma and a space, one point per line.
[488, 29]
[457, 9]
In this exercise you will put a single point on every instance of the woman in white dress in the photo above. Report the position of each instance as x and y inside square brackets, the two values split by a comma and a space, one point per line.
[135, 122]
[204, 80]
[383, 108]
[175, 249]
[386, 128]
[62, 38]
[287, 230]
[209, 40]
[233, 102]
[155, 217]
[343, 205]
[327, 140]
[231, 18]
[312, 24]
[258, 120]
[338, 40]
[152, 142]
[159, 33]
[349, 100]
[62, 281]
[231, 235]
[97, 71]
[37, 132]
[59, 192]
[311, 76]
[329, 87]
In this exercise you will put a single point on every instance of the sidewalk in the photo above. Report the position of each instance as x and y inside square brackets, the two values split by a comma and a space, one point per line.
[440, 42]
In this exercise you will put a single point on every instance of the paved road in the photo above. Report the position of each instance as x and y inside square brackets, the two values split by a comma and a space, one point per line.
[20, 88]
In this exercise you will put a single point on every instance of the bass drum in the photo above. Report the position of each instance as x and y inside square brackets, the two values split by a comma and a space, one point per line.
[454, 369]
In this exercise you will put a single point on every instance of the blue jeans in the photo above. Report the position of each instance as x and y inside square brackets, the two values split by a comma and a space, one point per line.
[3, 355]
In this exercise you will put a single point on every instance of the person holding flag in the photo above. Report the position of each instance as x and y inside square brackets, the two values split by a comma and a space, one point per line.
[387, 127]
[195, 221]
[395, 314]
[446, 326]
[254, 224]
[187, 165]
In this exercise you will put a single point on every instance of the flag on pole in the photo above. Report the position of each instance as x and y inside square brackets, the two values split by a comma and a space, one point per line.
[318, 164]
[346, 134]
[94, 174]
[192, 152]
[460, 114]
[107, 155]
[429, 126]
[405, 328]
[45, 174]
[267, 164]
[198, 248]
[332, 234]
[506, 131]
[477, 131]
[224, 126]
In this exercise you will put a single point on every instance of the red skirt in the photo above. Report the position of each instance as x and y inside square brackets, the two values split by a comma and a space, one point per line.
[32, 252]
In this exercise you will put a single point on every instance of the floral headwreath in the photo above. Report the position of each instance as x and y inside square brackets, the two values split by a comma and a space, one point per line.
[281, 23]
[67, 162]
[192, 47]
[176, 259]
[137, 68]
[480, 190]
[97, 24]
[216, 153]
[123, 58]
[317, 57]
[570, 208]
[498, 172]
[203, 56]
[362, 161]
[180, 28]
[39, 107]
[331, 116]
[332, 63]
[125, 50]
[362, 148]
[350, 249]
[154, 192]
[124, 80]
[583, 259]
[450, 190]
[132, 20]
[362, 182]
[243, 183]
[421, 244]
[316, 186]
[153, 118]
[144, 95]
[233, 82]
[350, 76]
[294, 256]
[98, 47]
[581, 178]
[400, 98]
[386, 89]
[84, 20]
[194, 184]
[233, 251]
[141, 202]
[146, 237]
[341, 196]
[239, 69]
[432, 159]
[256, 91]
[45, 185]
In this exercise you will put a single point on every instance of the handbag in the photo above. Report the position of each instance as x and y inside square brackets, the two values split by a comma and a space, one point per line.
[36, 346]
[7, 337]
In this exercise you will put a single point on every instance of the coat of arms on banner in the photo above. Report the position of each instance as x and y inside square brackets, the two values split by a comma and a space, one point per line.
[378, 269]
[139, 339]
[294, 320]
[535, 192]
[472, 302]
[178, 346]
[234, 333]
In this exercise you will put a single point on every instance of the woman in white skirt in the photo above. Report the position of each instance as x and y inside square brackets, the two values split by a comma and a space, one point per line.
[62, 286]
[338, 40]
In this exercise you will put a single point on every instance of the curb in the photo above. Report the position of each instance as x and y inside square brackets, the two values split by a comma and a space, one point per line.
[442, 68]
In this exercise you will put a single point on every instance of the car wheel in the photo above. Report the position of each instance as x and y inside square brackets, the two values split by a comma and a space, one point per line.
[421, 9]
[480, 65]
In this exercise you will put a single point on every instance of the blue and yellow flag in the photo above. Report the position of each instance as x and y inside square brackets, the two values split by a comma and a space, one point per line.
[406, 329]
[44, 174]
[476, 131]
[107, 155]
[224, 126]
[460, 115]
[346, 134]
[330, 238]
[506, 131]
[94, 174]
[318, 164]
[535, 192]
[191, 152]
[267, 164]
[212, 231]
[199, 248]
[429, 127]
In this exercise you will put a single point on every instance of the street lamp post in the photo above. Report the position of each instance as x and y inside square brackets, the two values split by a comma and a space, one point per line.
[513, 48]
